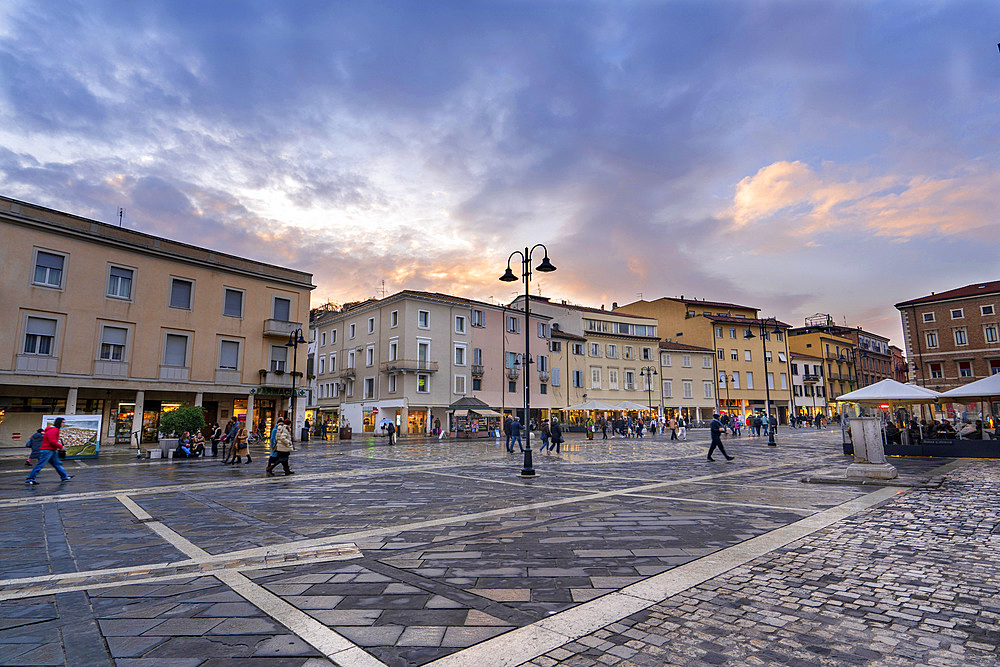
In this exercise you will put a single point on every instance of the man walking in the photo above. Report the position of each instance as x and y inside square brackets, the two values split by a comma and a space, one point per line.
[682, 427]
[49, 454]
[507, 431]
[515, 435]
[391, 430]
[555, 432]
[717, 429]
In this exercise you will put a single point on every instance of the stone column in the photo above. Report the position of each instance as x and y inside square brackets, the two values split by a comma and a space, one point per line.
[140, 396]
[71, 396]
[249, 423]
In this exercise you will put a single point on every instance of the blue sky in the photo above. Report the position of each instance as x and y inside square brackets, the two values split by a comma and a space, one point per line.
[804, 157]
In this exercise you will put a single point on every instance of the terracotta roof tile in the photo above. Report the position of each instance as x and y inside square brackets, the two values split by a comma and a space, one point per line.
[974, 289]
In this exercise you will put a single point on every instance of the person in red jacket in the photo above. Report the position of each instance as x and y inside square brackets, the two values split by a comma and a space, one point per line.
[50, 453]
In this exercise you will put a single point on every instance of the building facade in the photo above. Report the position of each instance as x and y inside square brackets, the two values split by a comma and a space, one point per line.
[406, 358]
[838, 354]
[687, 381]
[953, 337]
[749, 370]
[113, 322]
[808, 387]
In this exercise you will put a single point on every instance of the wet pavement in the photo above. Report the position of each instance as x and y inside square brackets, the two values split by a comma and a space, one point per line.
[632, 552]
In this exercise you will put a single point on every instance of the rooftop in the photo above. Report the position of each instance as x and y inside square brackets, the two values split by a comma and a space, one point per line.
[975, 289]
[673, 346]
[588, 309]
[747, 320]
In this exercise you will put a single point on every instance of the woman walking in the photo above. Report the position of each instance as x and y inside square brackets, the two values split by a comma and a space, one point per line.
[49, 453]
[240, 446]
[280, 449]
[555, 432]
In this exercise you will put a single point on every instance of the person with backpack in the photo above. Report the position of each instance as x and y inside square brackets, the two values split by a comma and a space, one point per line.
[35, 442]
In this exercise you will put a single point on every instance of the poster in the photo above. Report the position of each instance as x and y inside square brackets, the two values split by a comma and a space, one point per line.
[80, 434]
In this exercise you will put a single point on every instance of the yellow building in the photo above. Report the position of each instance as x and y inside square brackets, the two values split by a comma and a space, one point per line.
[751, 354]
[837, 353]
[109, 321]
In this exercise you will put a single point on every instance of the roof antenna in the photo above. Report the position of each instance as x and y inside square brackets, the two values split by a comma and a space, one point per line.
[640, 295]
[121, 215]
[381, 289]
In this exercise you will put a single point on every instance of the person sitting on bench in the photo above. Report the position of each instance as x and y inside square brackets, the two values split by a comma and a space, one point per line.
[185, 448]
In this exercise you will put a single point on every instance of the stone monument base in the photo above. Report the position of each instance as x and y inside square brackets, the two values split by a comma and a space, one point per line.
[872, 470]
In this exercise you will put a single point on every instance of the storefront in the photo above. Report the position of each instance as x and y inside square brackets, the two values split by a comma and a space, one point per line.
[482, 423]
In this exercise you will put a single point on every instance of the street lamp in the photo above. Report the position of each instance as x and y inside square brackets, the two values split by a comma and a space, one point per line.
[726, 379]
[649, 372]
[294, 339]
[545, 267]
[767, 387]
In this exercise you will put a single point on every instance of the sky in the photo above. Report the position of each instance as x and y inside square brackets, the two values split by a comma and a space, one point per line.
[801, 157]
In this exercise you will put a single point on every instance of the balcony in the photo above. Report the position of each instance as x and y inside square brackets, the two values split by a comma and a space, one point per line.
[115, 369]
[280, 328]
[543, 376]
[408, 366]
[348, 372]
[174, 373]
[37, 363]
[809, 377]
[275, 378]
[512, 373]
[477, 370]
[227, 376]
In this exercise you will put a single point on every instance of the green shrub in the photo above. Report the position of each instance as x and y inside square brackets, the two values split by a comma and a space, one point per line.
[188, 418]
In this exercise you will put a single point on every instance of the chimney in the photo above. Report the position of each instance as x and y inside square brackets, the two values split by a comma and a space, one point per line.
[602, 306]
[614, 305]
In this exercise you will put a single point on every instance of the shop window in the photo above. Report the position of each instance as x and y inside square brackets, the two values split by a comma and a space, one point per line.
[48, 269]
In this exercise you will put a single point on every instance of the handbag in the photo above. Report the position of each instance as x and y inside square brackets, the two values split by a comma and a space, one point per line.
[62, 453]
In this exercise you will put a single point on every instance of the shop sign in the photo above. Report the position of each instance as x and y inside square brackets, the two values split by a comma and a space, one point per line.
[277, 391]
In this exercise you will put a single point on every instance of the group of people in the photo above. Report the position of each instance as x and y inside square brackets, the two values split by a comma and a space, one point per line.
[552, 437]
[235, 440]
[47, 449]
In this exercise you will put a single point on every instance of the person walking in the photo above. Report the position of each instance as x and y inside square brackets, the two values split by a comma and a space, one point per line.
[515, 435]
[506, 431]
[391, 430]
[215, 437]
[241, 447]
[48, 453]
[545, 436]
[555, 432]
[604, 428]
[673, 428]
[717, 428]
[229, 440]
[35, 442]
[280, 449]
[682, 432]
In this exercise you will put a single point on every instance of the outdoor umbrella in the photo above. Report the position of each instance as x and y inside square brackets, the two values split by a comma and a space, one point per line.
[889, 390]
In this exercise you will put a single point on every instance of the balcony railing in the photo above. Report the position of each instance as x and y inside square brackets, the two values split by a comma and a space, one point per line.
[477, 370]
[810, 377]
[347, 372]
[543, 376]
[408, 366]
[280, 328]
[512, 373]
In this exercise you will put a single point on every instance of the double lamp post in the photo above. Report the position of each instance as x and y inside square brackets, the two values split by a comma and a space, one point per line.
[767, 385]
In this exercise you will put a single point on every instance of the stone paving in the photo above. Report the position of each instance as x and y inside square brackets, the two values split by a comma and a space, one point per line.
[430, 550]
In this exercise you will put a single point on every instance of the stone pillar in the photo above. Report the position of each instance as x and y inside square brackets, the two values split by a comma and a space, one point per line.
[140, 396]
[249, 423]
[197, 399]
[71, 396]
[404, 419]
[869, 452]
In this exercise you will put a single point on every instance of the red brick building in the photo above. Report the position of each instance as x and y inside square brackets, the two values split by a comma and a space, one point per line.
[953, 337]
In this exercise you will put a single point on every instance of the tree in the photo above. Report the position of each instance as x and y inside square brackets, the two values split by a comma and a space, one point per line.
[188, 418]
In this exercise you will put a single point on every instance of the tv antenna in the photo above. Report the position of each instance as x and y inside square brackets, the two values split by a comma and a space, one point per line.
[121, 215]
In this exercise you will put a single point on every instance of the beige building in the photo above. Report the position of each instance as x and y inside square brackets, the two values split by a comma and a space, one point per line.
[687, 380]
[808, 388]
[409, 356]
[109, 321]
[750, 370]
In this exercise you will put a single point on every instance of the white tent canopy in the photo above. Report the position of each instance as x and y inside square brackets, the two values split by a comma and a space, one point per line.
[592, 405]
[891, 390]
[629, 405]
[987, 387]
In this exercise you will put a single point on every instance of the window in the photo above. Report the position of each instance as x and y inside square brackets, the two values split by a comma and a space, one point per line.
[577, 379]
[233, 303]
[578, 349]
[543, 363]
[706, 361]
[423, 383]
[459, 355]
[595, 350]
[595, 378]
[749, 380]
[668, 389]
[795, 369]
[39, 336]
[720, 353]
[460, 324]
[686, 361]
[957, 313]
[322, 339]
[229, 355]
[333, 337]
[783, 381]
[510, 361]
[459, 384]
[350, 388]
[629, 352]
[424, 319]
[352, 331]
[322, 365]
[279, 357]
[781, 357]
[175, 350]
[543, 388]
[736, 379]
[932, 339]
[543, 330]
[734, 355]
[120, 282]
[477, 384]
[994, 366]
[613, 378]
[647, 354]
[935, 371]
[369, 387]
[928, 317]
[394, 319]
[688, 389]
[478, 319]
[370, 355]
[718, 332]
[477, 356]
[512, 387]
[965, 369]
[350, 359]
[555, 346]
[612, 351]
[282, 309]
[371, 325]
[556, 377]
[333, 363]
[394, 349]
[779, 336]
[770, 380]
[513, 324]
[961, 337]
[987, 310]
[113, 343]
[180, 293]
[48, 269]
[392, 384]
[664, 359]
[732, 334]
[629, 380]
[707, 388]
[990, 333]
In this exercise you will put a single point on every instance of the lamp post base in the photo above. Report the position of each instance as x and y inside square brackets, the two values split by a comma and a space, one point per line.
[770, 439]
[528, 470]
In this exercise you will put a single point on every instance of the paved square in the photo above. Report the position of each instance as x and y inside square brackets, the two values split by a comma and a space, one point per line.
[631, 552]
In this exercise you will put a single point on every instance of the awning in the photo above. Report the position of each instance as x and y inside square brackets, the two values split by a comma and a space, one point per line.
[987, 387]
[461, 413]
[891, 390]
[487, 413]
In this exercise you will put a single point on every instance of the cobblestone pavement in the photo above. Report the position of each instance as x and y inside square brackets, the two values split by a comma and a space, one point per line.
[632, 552]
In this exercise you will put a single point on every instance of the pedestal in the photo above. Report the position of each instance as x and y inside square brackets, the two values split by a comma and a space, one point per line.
[869, 452]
